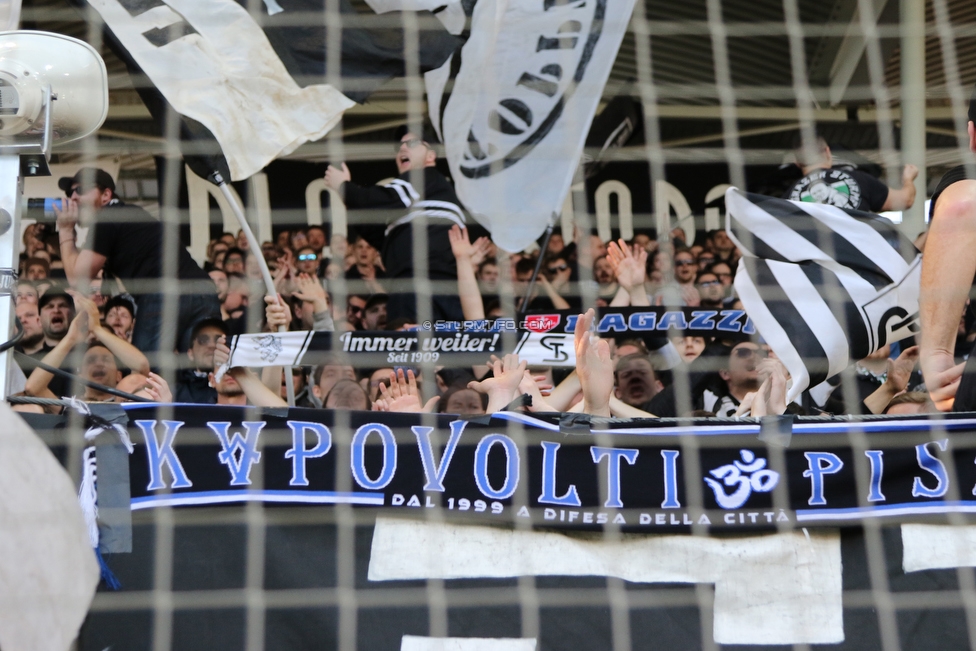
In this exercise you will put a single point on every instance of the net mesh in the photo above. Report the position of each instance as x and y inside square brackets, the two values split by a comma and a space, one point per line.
[725, 91]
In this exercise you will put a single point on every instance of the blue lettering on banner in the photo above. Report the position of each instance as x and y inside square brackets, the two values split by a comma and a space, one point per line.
[163, 454]
[670, 479]
[673, 321]
[613, 455]
[358, 460]
[571, 322]
[816, 472]
[730, 321]
[612, 322]
[640, 321]
[703, 319]
[877, 471]
[239, 453]
[298, 453]
[433, 472]
[931, 463]
[511, 463]
[570, 498]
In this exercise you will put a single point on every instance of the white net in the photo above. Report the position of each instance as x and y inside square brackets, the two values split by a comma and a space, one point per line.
[696, 509]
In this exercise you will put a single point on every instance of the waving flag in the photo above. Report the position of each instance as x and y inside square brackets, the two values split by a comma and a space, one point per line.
[255, 88]
[524, 89]
[824, 286]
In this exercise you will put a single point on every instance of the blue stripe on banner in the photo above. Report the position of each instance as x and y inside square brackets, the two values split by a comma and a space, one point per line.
[884, 511]
[227, 497]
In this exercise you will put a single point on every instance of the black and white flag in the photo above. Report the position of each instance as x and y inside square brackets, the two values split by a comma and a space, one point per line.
[824, 286]
[524, 89]
[258, 87]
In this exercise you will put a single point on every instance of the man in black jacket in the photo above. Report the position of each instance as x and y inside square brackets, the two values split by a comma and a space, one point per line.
[388, 225]
[126, 242]
[193, 384]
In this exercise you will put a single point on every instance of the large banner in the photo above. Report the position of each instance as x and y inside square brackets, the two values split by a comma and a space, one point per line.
[564, 471]
[541, 339]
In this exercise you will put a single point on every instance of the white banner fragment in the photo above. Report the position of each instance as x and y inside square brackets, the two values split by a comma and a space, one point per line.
[417, 643]
[770, 589]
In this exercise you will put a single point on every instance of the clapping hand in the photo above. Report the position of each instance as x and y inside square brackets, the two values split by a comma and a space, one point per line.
[629, 267]
[501, 388]
[594, 367]
[403, 395]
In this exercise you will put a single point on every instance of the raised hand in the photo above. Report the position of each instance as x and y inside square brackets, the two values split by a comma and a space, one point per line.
[403, 395]
[530, 385]
[276, 313]
[335, 177]
[221, 353]
[84, 305]
[900, 370]
[460, 244]
[594, 367]
[479, 251]
[308, 288]
[502, 386]
[158, 389]
[629, 267]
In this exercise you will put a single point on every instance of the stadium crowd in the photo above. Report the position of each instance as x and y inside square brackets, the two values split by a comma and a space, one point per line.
[95, 309]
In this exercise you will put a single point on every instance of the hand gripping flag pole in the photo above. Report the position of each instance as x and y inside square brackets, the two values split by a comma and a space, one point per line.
[252, 242]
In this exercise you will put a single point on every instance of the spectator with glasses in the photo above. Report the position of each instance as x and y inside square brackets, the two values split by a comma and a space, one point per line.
[355, 307]
[128, 243]
[710, 289]
[723, 272]
[192, 382]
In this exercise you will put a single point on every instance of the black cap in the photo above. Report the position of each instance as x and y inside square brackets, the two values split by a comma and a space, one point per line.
[427, 134]
[86, 177]
[213, 323]
[54, 291]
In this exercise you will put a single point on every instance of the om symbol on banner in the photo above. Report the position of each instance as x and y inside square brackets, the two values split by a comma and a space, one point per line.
[748, 475]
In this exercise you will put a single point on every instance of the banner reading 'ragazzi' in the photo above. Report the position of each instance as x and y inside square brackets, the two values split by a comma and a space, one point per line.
[544, 339]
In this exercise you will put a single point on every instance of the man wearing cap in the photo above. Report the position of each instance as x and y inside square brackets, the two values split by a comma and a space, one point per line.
[193, 383]
[127, 242]
[398, 204]
[948, 269]
[56, 310]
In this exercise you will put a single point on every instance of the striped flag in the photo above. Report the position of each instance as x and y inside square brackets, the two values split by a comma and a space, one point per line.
[824, 286]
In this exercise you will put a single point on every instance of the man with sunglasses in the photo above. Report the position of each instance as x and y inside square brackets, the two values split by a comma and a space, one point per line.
[127, 242]
[397, 204]
[192, 383]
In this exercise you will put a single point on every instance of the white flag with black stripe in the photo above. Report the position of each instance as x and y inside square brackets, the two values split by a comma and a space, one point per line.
[824, 286]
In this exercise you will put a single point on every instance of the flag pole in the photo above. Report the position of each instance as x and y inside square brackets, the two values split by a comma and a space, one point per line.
[255, 247]
[538, 267]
